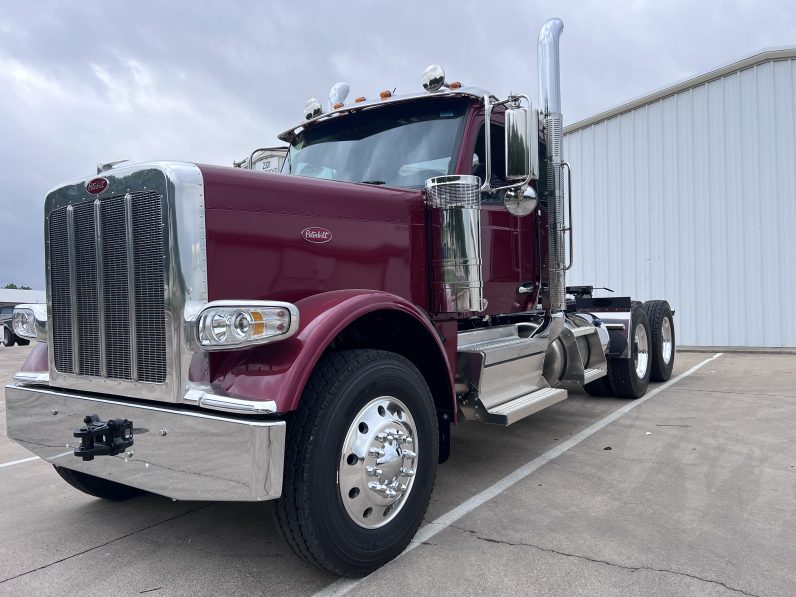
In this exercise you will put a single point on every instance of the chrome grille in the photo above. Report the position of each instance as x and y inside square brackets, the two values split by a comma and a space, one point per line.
[99, 327]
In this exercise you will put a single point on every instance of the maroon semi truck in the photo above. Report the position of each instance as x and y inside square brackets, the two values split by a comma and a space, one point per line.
[312, 336]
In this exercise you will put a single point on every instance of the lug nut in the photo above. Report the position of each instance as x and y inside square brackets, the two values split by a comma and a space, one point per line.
[376, 452]
[407, 472]
[372, 471]
[390, 493]
[381, 437]
[408, 454]
[377, 487]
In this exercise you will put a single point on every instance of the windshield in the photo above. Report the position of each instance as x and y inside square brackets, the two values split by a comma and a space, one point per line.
[400, 145]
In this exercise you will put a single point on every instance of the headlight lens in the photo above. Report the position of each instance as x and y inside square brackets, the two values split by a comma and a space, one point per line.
[30, 321]
[227, 324]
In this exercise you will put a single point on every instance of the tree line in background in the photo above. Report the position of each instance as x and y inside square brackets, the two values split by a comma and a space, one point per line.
[13, 286]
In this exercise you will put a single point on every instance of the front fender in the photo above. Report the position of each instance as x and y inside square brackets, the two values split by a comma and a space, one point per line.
[279, 371]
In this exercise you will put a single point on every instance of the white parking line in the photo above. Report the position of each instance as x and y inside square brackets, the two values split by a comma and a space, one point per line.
[343, 586]
[13, 462]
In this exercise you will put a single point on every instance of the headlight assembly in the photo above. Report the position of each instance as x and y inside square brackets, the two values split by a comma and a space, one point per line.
[30, 321]
[226, 325]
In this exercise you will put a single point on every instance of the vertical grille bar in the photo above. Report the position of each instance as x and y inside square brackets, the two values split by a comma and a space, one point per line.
[149, 286]
[116, 293]
[103, 351]
[60, 284]
[128, 213]
[85, 281]
[70, 232]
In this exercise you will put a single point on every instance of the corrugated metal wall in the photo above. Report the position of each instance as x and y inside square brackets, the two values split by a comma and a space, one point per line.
[692, 198]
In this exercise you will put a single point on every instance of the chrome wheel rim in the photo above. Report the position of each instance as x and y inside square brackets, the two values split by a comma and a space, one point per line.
[667, 350]
[378, 462]
[642, 351]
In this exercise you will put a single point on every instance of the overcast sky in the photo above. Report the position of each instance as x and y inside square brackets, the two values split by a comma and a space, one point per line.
[86, 81]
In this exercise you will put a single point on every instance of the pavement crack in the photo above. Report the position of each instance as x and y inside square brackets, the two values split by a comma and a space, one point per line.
[476, 535]
[149, 590]
[85, 551]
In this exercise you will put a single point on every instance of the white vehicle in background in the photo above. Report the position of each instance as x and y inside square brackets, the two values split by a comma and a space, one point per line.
[264, 159]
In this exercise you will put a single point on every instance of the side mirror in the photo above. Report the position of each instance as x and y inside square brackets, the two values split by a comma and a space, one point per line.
[518, 159]
[522, 144]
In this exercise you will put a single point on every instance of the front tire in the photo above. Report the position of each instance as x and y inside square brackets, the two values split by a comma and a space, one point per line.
[360, 462]
[98, 487]
[8, 339]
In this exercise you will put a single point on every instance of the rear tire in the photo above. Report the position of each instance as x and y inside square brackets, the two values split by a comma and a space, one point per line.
[97, 487]
[630, 378]
[328, 513]
[663, 340]
[8, 337]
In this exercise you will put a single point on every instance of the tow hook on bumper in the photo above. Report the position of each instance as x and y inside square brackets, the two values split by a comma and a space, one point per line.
[180, 453]
[99, 438]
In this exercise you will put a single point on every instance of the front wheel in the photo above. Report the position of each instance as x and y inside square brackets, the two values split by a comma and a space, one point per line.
[360, 462]
[8, 339]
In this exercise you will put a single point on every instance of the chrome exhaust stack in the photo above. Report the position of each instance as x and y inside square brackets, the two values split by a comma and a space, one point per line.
[550, 106]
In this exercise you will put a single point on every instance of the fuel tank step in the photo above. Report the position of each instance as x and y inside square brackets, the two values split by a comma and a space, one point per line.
[519, 408]
[592, 374]
[499, 364]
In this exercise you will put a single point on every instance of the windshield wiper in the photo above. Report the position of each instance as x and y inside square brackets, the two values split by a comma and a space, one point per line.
[372, 182]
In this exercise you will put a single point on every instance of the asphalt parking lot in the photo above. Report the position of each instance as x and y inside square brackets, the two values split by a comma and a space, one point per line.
[691, 492]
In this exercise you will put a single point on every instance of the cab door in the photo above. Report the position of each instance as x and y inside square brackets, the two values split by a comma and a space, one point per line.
[508, 243]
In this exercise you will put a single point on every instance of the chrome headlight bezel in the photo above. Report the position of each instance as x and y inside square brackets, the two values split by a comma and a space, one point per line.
[233, 325]
[30, 321]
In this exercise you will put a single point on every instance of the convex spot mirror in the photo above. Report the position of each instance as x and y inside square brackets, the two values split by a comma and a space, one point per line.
[520, 203]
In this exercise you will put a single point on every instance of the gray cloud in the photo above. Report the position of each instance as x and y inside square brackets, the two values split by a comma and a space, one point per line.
[89, 81]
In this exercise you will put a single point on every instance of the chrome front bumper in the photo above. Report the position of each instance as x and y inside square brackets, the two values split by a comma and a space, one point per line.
[184, 455]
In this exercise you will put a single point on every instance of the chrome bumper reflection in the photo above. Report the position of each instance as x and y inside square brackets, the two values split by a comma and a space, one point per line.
[180, 454]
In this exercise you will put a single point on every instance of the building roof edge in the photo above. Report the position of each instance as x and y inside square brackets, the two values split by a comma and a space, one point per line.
[766, 55]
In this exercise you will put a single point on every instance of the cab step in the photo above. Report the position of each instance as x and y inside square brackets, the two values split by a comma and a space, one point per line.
[519, 408]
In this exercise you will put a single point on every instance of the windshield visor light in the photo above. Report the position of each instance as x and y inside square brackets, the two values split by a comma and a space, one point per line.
[226, 325]
[30, 321]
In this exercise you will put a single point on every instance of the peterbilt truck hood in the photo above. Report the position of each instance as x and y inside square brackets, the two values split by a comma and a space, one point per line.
[285, 237]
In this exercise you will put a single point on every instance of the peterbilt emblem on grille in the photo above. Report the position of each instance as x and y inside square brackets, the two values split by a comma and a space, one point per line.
[316, 235]
[96, 185]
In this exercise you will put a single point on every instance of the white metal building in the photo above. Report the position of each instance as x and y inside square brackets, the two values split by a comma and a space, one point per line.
[13, 297]
[689, 194]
